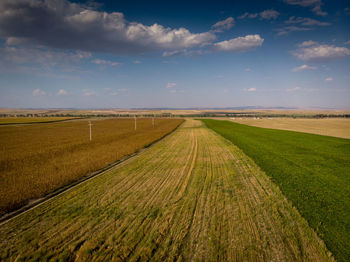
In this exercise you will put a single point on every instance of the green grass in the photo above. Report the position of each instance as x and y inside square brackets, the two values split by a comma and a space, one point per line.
[313, 171]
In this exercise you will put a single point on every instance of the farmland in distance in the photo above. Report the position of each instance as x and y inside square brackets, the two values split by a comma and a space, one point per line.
[338, 127]
[311, 170]
[38, 158]
[29, 120]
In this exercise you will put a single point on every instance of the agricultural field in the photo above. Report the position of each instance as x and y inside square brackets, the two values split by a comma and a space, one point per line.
[311, 170]
[36, 159]
[29, 120]
[338, 127]
[193, 196]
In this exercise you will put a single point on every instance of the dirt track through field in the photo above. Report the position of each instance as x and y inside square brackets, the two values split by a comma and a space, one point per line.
[192, 196]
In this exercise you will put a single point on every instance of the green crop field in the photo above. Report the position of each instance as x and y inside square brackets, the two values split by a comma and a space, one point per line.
[313, 171]
[193, 196]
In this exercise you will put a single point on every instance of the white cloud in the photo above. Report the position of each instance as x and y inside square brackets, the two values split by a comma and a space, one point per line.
[122, 90]
[287, 29]
[89, 93]
[248, 15]
[303, 67]
[38, 92]
[182, 52]
[224, 25]
[247, 70]
[347, 42]
[137, 62]
[321, 53]
[316, 4]
[61, 92]
[170, 85]
[251, 89]
[305, 21]
[75, 26]
[329, 79]
[295, 24]
[239, 44]
[307, 43]
[105, 62]
[113, 94]
[107, 89]
[267, 14]
[41, 56]
[294, 89]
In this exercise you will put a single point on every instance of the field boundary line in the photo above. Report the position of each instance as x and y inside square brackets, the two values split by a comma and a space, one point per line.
[41, 122]
[59, 191]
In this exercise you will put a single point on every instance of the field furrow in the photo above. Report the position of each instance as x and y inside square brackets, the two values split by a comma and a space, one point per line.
[193, 196]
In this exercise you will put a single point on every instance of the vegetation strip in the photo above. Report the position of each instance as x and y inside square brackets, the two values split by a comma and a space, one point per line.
[192, 196]
[311, 170]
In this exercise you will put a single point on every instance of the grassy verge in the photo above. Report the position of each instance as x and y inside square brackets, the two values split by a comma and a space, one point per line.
[311, 170]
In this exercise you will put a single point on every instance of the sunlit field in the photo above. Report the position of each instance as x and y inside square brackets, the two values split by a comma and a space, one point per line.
[35, 159]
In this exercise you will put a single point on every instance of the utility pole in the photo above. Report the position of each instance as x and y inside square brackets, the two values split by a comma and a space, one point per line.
[90, 130]
[135, 121]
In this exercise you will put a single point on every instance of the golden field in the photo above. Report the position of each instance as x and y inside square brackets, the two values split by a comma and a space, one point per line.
[338, 127]
[35, 159]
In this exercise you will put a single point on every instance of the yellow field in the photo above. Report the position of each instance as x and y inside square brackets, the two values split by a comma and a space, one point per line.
[338, 127]
[193, 196]
[25, 120]
[35, 159]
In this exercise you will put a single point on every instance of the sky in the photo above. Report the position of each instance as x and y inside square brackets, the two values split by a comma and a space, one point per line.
[174, 54]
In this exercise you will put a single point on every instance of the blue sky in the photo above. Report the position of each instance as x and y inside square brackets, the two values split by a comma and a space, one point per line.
[131, 54]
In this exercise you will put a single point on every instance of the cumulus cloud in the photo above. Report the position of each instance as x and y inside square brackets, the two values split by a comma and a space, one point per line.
[66, 25]
[315, 4]
[170, 85]
[303, 67]
[329, 79]
[267, 14]
[61, 92]
[239, 44]
[38, 92]
[223, 25]
[321, 53]
[105, 62]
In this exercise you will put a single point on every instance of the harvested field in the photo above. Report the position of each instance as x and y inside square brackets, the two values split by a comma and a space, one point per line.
[338, 127]
[193, 196]
[28, 120]
[36, 159]
[311, 170]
